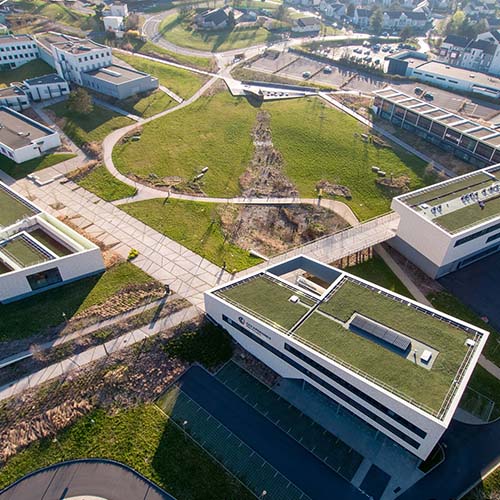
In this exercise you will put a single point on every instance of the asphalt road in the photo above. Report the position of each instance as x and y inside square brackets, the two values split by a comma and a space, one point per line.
[471, 450]
[312, 476]
[105, 479]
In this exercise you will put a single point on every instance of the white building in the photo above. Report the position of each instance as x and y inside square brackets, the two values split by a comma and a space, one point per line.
[37, 251]
[114, 23]
[46, 87]
[307, 25]
[15, 98]
[398, 365]
[333, 9]
[118, 9]
[451, 224]
[16, 50]
[22, 138]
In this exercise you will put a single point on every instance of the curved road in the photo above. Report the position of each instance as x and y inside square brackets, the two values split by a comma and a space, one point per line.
[103, 479]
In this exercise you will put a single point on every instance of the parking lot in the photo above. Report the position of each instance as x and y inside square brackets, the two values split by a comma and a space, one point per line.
[293, 66]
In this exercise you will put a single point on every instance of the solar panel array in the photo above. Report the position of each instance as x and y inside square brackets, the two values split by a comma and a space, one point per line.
[381, 332]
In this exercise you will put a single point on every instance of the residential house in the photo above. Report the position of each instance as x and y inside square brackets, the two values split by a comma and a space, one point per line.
[215, 19]
[118, 9]
[307, 25]
[361, 17]
[332, 9]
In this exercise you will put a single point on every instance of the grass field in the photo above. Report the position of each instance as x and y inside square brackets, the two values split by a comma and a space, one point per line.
[25, 72]
[150, 49]
[100, 182]
[143, 438]
[378, 272]
[181, 81]
[26, 317]
[213, 131]
[20, 170]
[147, 105]
[11, 209]
[316, 142]
[57, 12]
[195, 225]
[177, 30]
[93, 127]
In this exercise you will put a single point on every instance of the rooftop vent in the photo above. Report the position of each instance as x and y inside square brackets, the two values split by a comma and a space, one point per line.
[110, 72]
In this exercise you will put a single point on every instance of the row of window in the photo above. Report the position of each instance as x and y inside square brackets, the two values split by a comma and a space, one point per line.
[477, 234]
[91, 57]
[350, 401]
[6, 152]
[18, 47]
[18, 56]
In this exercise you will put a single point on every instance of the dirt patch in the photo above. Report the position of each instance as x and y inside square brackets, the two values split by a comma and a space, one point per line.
[394, 186]
[273, 229]
[330, 189]
[360, 104]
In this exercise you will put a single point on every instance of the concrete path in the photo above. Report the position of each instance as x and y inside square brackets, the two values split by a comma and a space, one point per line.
[117, 109]
[171, 94]
[94, 353]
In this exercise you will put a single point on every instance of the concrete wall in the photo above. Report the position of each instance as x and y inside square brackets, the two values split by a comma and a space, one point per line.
[33, 150]
[216, 307]
[47, 90]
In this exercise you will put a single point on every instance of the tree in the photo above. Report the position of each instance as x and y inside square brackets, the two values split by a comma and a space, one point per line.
[350, 9]
[406, 33]
[376, 20]
[281, 12]
[80, 102]
[132, 22]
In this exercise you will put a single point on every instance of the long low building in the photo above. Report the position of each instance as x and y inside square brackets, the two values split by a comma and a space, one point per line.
[37, 251]
[22, 138]
[398, 365]
[466, 139]
[449, 225]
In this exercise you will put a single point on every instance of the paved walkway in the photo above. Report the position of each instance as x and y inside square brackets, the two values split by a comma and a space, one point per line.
[170, 93]
[94, 353]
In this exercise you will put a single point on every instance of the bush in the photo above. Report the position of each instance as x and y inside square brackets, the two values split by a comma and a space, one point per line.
[132, 254]
[209, 345]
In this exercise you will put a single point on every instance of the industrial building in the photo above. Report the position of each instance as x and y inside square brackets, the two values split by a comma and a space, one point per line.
[451, 224]
[398, 365]
[37, 251]
[466, 139]
[22, 138]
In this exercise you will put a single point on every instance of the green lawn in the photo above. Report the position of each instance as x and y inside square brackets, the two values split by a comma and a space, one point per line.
[100, 182]
[26, 317]
[147, 105]
[181, 81]
[93, 127]
[150, 49]
[316, 142]
[24, 72]
[18, 171]
[195, 225]
[176, 30]
[143, 438]
[448, 303]
[378, 272]
[11, 209]
[213, 131]
[269, 300]
[57, 12]
[487, 385]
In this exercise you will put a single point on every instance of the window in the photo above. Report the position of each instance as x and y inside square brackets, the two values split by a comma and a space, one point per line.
[476, 235]
[484, 150]
[44, 278]
[438, 129]
[424, 123]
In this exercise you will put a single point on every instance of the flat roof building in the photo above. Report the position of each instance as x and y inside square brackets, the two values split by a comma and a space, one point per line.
[398, 365]
[37, 251]
[22, 138]
[451, 224]
[14, 97]
[466, 139]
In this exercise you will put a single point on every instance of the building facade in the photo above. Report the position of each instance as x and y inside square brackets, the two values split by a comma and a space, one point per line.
[452, 224]
[38, 252]
[16, 50]
[285, 349]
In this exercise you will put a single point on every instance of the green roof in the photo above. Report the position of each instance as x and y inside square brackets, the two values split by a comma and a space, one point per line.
[23, 252]
[12, 208]
[463, 216]
[324, 327]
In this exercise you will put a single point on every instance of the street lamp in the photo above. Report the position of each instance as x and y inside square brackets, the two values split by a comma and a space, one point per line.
[184, 428]
[263, 494]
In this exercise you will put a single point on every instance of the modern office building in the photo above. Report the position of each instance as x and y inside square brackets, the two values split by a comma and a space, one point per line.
[45, 87]
[400, 366]
[37, 251]
[466, 139]
[14, 97]
[451, 224]
[22, 138]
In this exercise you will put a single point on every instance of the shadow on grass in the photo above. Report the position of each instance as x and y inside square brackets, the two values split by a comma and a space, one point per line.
[44, 312]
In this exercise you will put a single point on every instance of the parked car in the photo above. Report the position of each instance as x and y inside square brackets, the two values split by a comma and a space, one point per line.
[306, 74]
[428, 96]
[385, 33]
[327, 70]
[418, 90]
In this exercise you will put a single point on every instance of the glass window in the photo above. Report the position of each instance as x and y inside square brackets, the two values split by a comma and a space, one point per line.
[44, 278]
